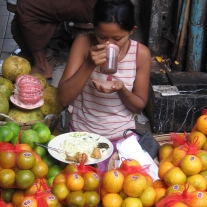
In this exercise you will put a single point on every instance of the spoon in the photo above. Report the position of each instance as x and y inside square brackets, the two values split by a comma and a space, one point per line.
[51, 148]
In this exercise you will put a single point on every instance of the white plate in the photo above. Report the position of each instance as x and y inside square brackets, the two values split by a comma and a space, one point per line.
[23, 106]
[80, 138]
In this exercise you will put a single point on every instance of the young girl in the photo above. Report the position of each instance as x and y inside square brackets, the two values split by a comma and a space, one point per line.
[96, 109]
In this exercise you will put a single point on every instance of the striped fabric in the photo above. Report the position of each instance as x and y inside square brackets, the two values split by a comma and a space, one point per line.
[105, 114]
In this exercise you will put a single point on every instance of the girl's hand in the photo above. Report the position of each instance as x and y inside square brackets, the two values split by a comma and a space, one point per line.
[97, 54]
[108, 86]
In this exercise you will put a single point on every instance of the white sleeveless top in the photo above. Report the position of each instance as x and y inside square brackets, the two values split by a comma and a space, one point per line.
[105, 114]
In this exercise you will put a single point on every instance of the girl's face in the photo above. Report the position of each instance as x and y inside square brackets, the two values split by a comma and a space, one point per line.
[113, 33]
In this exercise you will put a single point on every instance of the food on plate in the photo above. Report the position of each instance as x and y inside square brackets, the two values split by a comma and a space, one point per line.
[96, 153]
[78, 157]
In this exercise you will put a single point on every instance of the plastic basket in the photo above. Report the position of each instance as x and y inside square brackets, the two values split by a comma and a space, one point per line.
[50, 120]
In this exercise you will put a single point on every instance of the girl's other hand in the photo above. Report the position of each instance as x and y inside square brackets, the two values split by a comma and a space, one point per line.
[97, 54]
[108, 86]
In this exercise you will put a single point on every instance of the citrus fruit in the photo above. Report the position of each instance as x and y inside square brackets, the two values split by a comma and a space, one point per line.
[60, 190]
[163, 168]
[60, 178]
[197, 181]
[71, 168]
[204, 174]
[51, 200]
[122, 194]
[198, 199]
[28, 201]
[191, 165]
[6, 134]
[164, 151]
[179, 204]
[50, 181]
[17, 196]
[24, 179]
[7, 159]
[25, 147]
[41, 151]
[25, 160]
[177, 154]
[174, 176]
[51, 137]
[92, 198]
[53, 171]
[112, 199]
[201, 124]
[112, 181]
[36, 124]
[30, 136]
[159, 184]
[131, 162]
[40, 169]
[103, 192]
[91, 180]
[148, 197]
[44, 133]
[149, 180]
[49, 160]
[33, 189]
[15, 129]
[74, 182]
[131, 202]
[7, 194]
[160, 194]
[205, 146]
[202, 155]
[7, 178]
[75, 199]
[197, 138]
[177, 188]
[134, 185]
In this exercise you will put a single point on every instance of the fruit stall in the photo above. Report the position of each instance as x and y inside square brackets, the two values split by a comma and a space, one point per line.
[40, 168]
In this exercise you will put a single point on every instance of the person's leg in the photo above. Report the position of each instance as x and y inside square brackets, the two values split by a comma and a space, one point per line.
[41, 65]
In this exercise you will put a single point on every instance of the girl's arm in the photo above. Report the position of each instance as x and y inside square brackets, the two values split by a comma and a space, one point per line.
[136, 100]
[82, 60]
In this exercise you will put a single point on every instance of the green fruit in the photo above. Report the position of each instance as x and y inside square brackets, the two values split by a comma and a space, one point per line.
[41, 78]
[44, 133]
[14, 66]
[36, 124]
[49, 160]
[41, 151]
[6, 134]
[4, 105]
[15, 129]
[50, 181]
[53, 171]
[7, 194]
[30, 136]
[6, 87]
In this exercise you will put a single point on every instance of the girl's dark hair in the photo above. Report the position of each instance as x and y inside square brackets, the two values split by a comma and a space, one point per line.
[114, 11]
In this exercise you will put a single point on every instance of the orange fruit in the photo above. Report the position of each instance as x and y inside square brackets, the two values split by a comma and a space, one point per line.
[24, 147]
[197, 138]
[160, 194]
[6, 134]
[112, 181]
[92, 198]
[61, 191]
[165, 150]
[191, 165]
[103, 192]
[28, 201]
[112, 199]
[205, 146]
[24, 179]
[75, 199]
[163, 168]
[176, 188]
[7, 178]
[148, 197]
[9, 205]
[74, 182]
[60, 178]
[43, 132]
[175, 176]
[33, 189]
[130, 162]
[71, 168]
[91, 180]
[149, 180]
[198, 199]
[202, 155]
[25, 160]
[197, 181]
[51, 200]
[201, 124]
[204, 174]
[40, 169]
[159, 184]
[177, 154]
[134, 185]
[17, 196]
[131, 202]
[123, 194]
[7, 159]
[179, 204]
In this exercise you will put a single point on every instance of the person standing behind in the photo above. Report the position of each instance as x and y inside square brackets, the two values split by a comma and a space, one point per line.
[107, 112]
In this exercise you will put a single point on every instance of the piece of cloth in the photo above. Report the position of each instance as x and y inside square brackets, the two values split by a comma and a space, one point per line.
[39, 19]
[105, 114]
